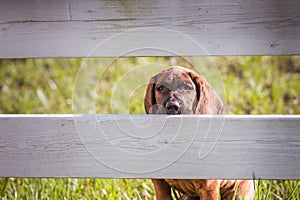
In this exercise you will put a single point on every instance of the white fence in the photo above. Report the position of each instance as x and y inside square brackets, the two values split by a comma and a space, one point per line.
[146, 146]
[72, 28]
[265, 147]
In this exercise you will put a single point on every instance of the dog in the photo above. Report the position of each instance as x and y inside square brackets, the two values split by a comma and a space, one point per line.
[178, 90]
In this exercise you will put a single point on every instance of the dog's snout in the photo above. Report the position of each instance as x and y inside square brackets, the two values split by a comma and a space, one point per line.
[173, 107]
[172, 104]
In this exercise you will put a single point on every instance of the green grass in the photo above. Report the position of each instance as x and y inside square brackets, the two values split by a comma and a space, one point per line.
[250, 85]
[25, 188]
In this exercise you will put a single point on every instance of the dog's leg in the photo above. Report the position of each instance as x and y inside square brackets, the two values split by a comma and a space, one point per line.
[244, 189]
[162, 189]
[208, 189]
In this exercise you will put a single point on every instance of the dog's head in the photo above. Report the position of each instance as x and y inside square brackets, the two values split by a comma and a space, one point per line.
[177, 90]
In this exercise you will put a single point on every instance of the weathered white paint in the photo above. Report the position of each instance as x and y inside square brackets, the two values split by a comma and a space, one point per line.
[150, 146]
[139, 146]
[72, 28]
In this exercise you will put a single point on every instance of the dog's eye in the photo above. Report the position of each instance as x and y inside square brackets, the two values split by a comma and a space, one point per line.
[160, 88]
[187, 87]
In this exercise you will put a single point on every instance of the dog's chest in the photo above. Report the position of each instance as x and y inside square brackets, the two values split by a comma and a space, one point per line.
[183, 185]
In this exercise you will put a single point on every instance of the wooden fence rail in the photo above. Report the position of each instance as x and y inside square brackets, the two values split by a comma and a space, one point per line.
[148, 146]
[144, 146]
[73, 28]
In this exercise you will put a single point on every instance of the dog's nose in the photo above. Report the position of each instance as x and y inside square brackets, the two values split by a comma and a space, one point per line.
[173, 107]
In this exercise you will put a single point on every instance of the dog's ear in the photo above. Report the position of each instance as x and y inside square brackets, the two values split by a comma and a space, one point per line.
[208, 101]
[149, 100]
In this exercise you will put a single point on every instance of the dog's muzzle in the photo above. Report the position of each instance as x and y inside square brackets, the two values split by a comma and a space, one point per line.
[172, 108]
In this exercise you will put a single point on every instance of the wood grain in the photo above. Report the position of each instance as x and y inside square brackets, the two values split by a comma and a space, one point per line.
[74, 28]
[145, 146]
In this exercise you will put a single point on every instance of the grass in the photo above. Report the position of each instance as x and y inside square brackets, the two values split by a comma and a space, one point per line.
[25, 188]
[249, 85]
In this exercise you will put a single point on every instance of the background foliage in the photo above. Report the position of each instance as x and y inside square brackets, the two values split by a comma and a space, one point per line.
[252, 85]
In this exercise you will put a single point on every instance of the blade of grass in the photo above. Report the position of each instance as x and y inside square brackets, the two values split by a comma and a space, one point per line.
[219, 192]
[235, 191]
[268, 191]
[294, 190]
[3, 186]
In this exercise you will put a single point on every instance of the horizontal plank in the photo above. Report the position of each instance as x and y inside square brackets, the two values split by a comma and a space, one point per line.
[150, 146]
[76, 28]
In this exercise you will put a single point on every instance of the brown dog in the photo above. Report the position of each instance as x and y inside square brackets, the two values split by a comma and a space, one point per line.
[177, 90]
